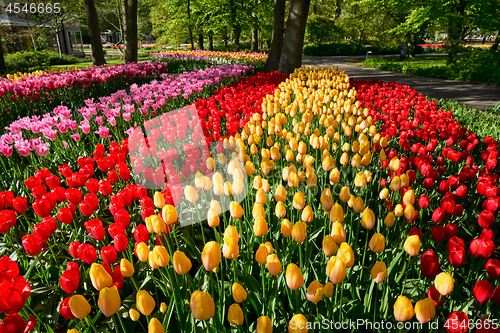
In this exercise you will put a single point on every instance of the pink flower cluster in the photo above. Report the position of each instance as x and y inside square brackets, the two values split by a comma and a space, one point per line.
[37, 86]
[102, 115]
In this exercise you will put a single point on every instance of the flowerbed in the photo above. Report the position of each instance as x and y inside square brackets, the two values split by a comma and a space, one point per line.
[64, 132]
[364, 202]
[36, 95]
[178, 61]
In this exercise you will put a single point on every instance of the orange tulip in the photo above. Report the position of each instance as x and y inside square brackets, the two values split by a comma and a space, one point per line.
[213, 218]
[273, 264]
[299, 232]
[307, 214]
[280, 193]
[286, 228]
[368, 219]
[314, 292]
[260, 226]
[346, 254]
[299, 200]
[336, 270]
[338, 232]
[379, 272]
[329, 246]
[294, 277]
[260, 196]
[211, 255]
[377, 243]
[191, 194]
[280, 209]
[261, 254]
[236, 210]
[403, 309]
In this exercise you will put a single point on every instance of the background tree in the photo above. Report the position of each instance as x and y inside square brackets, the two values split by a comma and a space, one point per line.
[129, 9]
[3, 68]
[273, 59]
[94, 32]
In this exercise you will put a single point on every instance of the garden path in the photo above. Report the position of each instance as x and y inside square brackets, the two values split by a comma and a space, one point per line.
[476, 95]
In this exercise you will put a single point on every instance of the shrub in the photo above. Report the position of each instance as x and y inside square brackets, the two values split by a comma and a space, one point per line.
[345, 48]
[34, 60]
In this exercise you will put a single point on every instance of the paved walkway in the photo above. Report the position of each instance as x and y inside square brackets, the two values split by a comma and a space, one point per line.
[479, 96]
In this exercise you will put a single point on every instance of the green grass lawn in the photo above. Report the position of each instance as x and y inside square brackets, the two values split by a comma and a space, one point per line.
[109, 61]
[435, 60]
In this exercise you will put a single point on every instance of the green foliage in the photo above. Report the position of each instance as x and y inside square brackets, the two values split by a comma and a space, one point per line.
[31, 61]
[321, 28]
[483, 123]
[474, 67]
[345, 48]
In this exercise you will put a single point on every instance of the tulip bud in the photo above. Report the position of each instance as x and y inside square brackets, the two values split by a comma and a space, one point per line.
[181, 263]
[294, 277]
[383, 194]
[157, 224]
[345, 194]
[338, 232]
[314, 292]
[286, 228]
[444, 283]
[377, 243]
[425, 310]
[236, 210]
[126, 268]
[191, 194]
[297, 324]
[360, 180]
[328, 290]
[134, 314]
[109, 300]
[299, 200]
[159, 200]
[169, 214]
[409, 199]
[337, 213]
[409, 212]
[142, 251]
[260, 196]
[260, 226]
[212, 218]
[412, 245]
[329, 246]
[368, 219]
[160, 255]
[211, 255]
[389, 219]
[403, 309]
[155, 326]
[100, 277]
[299, 232]
[395, 184]
[336, 270]
[261, 254]
[145, 303]
[280, 209]
[280, 194]
[307, 214]
[239, 293]
[79, 306]
[398, 210]
[235, 315]
[346, 254]
[202, 305]
[264, 325]
[273, 264]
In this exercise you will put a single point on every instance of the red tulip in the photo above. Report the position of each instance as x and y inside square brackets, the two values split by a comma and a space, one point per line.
[112, 176]
[495, 297]
[436, 296]
[53, 182]
[482, 247]
[108, 254]
[450, 230]
[65, 170]
[32, 182]
[95, 228]
[73, 249]
[86, 208]
[438, 215]
[87, 253]
[74, 195]
[42, 231]
[20, 204]
[65, 310]
[32, 244]
[73, 266]
[457, 256]
[7, 220]
[118, 278]
[457, 322]
[147, 202]
[493, 268]
[486, 219]
[120, 242]
[438, 233]
[487, 233]
[429, 264]
[64, 215]
[123, 217]
[92, 185]
[14, 293]
[42, 207]
[105, 187]
[59, 193]
[125, 196]
[483, 290]
[69, 281]
[14, 323]
[141, 233]
[423, 201]
[461, 191]
[124, 172]
[416, 231]
[428, 183]
[115, 229]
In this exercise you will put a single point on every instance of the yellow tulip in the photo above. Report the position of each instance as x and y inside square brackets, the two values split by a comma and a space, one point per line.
[100, 277]
[298, 324]
[157, 224]
[329, 246]
[346, 254]
[163, 307]
[314, 292]
[235, 315]
[213, 218]
[294, 277]
[336, 270]
[398, 210]
[144, 302]
[264, 325]
[334, 176]
[260, 196]
[368, 219]
[405, 180]
[202, 305]
[261, 254]
[328, 290]
[126, 268]
[395, 184]
[377, 243]
[152, 260]
[337, 213]
[230, 248]
[379, 272]
[155, 326]
[280, 210]
[236, 210]
[360, 180]
[409, 197]
[286, 228]
[444, 283]
[410, 212]
[403, 309]
[299, 200]
[239, 293]
[211, 255]
[134, 314]
[299, 232]
[159, 200]
[142, 251]
[191, 194]
[79, 306]
[425, 310]
[412, 245]
[258, 210]
[215, 205]
[169, 214]
[109, 301]
[249, 168]
[280, 193]
[260, 226]
[269, 247]
[307, 214]
[273, 264]
[359, 206]
[181, 263]
[161, 256]
[383, 194]
[231, 232]
[338, 232]
[389, 219]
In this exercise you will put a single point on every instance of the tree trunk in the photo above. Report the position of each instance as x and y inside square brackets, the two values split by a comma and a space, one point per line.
[255, 28]
[3, 68]
[210, 41]
[129, 8]
[200, 42]
[95, 33]
[273, 59]
[189, 24]
[291, 55]
[58, 41]
[237, 33]
[338, 9]
[494, 47]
